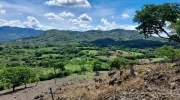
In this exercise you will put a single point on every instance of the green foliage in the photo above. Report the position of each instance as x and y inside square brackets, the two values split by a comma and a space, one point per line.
[168, 51]
[115, 63]
[96, 65]
[17, 75]
[153, 18]
[119, 63]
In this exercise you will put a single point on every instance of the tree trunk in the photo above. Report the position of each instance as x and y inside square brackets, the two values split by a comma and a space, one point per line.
[36, 83]
[54, 76]
[25, 85]
[14, 87]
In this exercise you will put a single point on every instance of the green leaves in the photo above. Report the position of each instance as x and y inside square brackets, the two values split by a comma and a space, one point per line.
[152, 19]
[168, 51]
[18, 75]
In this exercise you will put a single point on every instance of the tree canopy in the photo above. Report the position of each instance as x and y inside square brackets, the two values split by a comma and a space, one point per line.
[158, 19]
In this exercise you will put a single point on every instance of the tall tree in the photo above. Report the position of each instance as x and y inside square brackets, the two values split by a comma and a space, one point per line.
[156, 19]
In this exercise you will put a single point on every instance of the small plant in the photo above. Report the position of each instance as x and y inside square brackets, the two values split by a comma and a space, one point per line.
[175, 68]
[140, 70]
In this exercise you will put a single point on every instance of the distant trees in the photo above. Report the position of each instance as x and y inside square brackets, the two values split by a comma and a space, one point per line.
[168, 52]
[96, 66]
[119, 63]
[155, 19]
[60, 66]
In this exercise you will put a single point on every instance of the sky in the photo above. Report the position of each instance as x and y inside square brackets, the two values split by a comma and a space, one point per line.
[76, 15]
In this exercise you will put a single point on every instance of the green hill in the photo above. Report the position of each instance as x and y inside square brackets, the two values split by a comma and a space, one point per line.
[129, 38]
[11, 33]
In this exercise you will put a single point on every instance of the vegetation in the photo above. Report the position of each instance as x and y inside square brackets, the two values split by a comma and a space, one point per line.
[169, 52]
[154, 19]
[15, 76]
[55, 54]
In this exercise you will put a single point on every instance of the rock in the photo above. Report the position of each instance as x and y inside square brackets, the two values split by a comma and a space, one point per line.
[111, 73]
[96, 80]
[89, 88]
[97, 85]
[178, 71]
[100, 80]
[173, 85]
[112, 81]
[136, 73]
[39, 96]
[132, 90]
[119, 82]
[149, 89]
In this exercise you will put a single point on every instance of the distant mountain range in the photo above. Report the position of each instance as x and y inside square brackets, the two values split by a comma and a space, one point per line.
[12, 33]
[129, 38]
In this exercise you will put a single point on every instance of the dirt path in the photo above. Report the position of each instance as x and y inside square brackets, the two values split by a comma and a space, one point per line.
[41, 89]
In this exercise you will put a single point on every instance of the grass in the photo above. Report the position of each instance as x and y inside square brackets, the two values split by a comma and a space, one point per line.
[92, 52]
[157, 59]
[125, 53]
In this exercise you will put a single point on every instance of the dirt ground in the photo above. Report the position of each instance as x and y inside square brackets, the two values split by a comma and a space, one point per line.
[41, 90]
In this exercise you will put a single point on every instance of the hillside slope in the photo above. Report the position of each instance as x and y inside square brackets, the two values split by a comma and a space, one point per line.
[129, 38]
[12, 33]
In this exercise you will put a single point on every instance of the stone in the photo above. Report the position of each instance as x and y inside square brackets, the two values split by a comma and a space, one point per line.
[89, 88]
[112, 81]
[173, 85]
[97, 85]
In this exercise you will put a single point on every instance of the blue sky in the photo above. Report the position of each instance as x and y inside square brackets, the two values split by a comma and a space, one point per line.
[78, 15]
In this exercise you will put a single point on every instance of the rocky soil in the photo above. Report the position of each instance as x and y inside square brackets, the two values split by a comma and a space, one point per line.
[39, 92]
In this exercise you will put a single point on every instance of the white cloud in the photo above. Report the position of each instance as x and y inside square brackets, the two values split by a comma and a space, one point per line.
[12, 23]
[85, 17]
[66, 14]
[74, 28]
[105, 25]
[83, 22]
[69, 3]
[32, 22]
[52, 16]
[124, 16]
[1, 10]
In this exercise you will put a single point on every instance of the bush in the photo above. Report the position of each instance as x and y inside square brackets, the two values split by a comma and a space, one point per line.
[1, 87]
[140, 70]
[44, 77]
[67, 73]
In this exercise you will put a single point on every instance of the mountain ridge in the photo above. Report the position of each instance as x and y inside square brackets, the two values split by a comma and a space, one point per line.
[8, 33]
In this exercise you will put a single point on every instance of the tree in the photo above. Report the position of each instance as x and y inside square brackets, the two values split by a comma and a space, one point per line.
[119, 63]
[26, 74]
[96, 67]
[60, 66]
[18, 75]
[12, 76]
[82, 62]
[168, 51]
[52, 64]
[115, 63]
[155, 19]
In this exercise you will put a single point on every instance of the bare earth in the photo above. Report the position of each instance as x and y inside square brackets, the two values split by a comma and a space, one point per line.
[41, 89]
